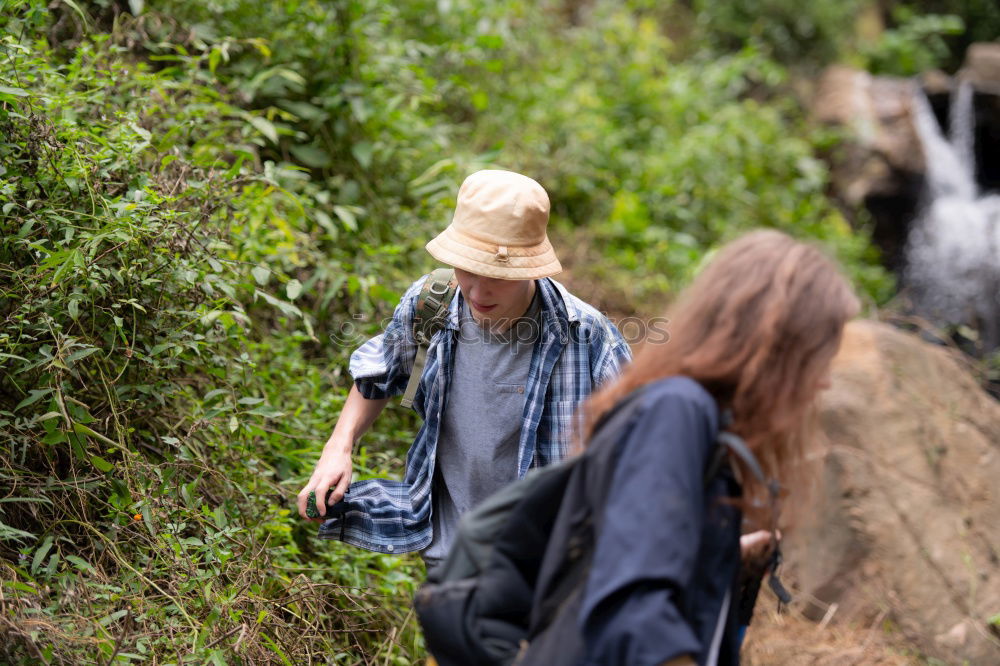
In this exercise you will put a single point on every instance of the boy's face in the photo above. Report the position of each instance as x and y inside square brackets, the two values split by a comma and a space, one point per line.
[495, 303]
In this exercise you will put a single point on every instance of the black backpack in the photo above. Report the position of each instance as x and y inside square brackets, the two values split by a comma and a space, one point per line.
[520, 559]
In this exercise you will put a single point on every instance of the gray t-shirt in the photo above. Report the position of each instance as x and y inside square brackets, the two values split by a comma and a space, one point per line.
[481, 424]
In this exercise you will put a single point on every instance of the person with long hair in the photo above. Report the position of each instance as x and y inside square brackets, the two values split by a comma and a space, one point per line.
[751, 343]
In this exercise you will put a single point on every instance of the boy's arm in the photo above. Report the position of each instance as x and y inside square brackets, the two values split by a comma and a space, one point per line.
[380, 369]
[333, 471]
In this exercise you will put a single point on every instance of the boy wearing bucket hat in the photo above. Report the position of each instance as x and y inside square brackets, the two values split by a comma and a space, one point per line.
[516, 355]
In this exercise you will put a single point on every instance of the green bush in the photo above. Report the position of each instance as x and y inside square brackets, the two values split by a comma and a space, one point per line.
[916, 45]
[156, 386]
[807, 34]
[654, 162]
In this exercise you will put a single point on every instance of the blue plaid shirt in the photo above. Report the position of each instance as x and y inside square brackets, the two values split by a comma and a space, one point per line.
[577, 350]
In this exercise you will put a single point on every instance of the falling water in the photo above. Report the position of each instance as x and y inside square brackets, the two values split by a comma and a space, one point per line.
[953, 252]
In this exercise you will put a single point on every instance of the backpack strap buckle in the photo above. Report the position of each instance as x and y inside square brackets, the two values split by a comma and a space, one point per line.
[429, 318]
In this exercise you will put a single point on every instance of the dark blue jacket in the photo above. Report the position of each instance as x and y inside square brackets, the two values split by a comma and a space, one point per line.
[669, 549]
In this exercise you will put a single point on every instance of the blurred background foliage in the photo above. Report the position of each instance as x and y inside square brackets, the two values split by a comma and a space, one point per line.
[206, 206]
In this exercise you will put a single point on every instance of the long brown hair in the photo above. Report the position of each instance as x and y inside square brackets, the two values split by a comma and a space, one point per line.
[757, 328]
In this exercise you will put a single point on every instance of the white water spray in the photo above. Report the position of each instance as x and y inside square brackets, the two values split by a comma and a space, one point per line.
[953, 251]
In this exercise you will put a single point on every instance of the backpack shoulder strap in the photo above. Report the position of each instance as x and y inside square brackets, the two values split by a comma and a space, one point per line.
[430, 316]
[727, 441]
[731, 442]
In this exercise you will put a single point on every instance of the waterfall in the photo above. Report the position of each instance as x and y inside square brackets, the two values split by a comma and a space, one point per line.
[953, 251]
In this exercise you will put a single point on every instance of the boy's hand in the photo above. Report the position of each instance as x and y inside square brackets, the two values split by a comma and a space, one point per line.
[333, 472]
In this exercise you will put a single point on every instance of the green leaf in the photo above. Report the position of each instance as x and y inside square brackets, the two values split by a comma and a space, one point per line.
[266, 412]
[83, 353]
[286, 308]
[234, 423]
[35, 396]
[274, 648]
[26, 227]
[80, 563]
[380, 292]
[261, 274]
[141, 131]
[214, 393]
[147, 519]
[346, 215]
[101, 464]
[311, 156]
[293, 289]
[307, 321]
[16, 584]
[363, 151]
[304, 110]
[40, 554]
[490, 41]
[16, 92]
[75, 7]
[480, 100]
[8, 533]
[81, 429]
[108, 619]
[265, 127]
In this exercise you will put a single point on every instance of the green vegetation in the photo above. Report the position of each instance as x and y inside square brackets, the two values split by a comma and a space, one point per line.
[917, 44]
[205, 206]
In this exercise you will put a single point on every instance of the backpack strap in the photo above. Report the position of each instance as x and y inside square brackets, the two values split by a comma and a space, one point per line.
[731, 442]
[430, 316]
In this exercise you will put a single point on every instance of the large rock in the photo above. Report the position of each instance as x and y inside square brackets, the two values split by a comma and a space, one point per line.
[907, 533]
[982, 66]
[881, 164]
[876, 110]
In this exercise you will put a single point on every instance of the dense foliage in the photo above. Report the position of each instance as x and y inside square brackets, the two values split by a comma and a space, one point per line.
[205, 206]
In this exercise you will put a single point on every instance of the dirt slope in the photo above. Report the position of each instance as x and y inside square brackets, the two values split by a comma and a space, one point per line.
[903, 559]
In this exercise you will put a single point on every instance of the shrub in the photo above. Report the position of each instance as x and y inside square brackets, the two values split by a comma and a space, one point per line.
[155, 375]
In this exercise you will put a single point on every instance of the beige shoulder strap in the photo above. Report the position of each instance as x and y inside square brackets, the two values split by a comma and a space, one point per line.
[430, 317]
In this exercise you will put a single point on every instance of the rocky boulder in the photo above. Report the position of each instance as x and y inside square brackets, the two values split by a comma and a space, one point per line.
[906, 535]
[982, 67]
[880, 166]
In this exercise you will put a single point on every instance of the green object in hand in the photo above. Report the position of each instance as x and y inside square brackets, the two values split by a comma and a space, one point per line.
[311, 509]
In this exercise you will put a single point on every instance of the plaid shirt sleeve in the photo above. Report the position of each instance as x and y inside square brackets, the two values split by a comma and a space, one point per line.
[381, 366]
[609, 354]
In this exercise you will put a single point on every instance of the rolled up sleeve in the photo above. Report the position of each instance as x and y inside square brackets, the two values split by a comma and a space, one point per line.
[609, 355]
[381, 366]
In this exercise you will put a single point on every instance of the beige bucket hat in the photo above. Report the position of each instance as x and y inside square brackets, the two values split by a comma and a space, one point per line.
[499, 228]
